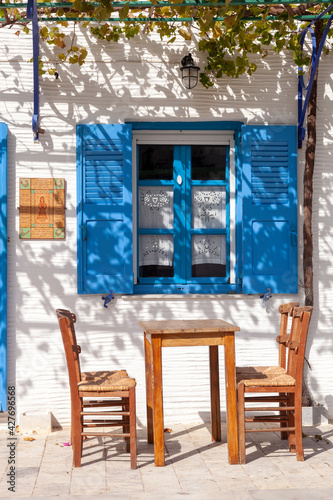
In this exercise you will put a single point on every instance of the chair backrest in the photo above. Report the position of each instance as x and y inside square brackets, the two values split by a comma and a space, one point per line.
[72, 350]
[283, 338]
[297, 343]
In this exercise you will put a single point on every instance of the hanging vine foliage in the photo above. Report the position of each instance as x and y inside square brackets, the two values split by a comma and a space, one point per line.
[229, 35]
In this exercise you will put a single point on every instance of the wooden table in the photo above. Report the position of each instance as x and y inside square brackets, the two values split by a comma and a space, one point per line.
[173, 333]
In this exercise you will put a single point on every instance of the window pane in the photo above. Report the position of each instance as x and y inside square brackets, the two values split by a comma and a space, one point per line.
[155, 255]
[209, 207]
[155, 207]
[209, 256]
[155, 162]
[208, 163]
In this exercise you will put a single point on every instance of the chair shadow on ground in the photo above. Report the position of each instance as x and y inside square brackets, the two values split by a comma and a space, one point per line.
[98, 449]
[315, 441]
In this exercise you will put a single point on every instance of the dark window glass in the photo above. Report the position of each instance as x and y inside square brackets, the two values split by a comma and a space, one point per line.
[155, 162]
[209, 256]
[209, 270]
[156, 271]
[208, 163]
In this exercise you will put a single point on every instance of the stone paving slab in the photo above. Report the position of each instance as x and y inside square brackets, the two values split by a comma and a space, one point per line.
[195, 467]
[294, 494]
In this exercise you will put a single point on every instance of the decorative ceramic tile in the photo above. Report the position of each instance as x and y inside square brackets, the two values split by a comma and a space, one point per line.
[42, 209]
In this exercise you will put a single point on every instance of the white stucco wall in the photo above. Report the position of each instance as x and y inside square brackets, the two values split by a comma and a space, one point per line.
[141, 81]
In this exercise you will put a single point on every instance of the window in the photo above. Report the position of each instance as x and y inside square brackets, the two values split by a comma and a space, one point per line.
[183, 201]
[183, 196]
[187, 208]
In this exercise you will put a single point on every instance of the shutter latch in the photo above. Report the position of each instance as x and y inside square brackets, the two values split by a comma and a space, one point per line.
[293, 236]
[108, 298]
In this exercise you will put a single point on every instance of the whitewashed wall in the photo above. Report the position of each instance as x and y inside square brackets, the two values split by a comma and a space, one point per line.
[141, 81]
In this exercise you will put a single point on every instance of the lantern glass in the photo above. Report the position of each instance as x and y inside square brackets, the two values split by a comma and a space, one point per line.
[189, 72]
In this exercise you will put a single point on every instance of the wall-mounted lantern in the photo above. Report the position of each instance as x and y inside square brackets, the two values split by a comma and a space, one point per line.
[189, 72]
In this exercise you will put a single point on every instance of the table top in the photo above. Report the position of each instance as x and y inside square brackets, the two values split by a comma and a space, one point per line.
[175, 326]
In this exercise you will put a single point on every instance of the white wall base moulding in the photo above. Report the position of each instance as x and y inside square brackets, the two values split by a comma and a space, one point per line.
[314, 415]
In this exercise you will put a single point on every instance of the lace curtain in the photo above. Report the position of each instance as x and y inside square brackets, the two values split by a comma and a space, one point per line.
[155, 250]
[209, 249]
[156, 207]
[156, 211]
[208, 207]
[208, 212]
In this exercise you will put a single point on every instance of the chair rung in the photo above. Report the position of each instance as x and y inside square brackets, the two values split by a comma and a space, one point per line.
[275, 429]
[268, 418]
[105, 434]
[106, 423]
[92, 404]
[104, 413]
[281, 389]
[262, 399]
[271, 408]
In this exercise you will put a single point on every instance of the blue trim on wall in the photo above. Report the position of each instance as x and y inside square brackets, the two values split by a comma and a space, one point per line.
[239, 212]
[162, 288]
[79, 208]
[3, 267]
[218, 125]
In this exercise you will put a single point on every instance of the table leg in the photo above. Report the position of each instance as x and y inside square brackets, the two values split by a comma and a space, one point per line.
[215, 392]
[149, 394]
[157, 389]
[231, 397]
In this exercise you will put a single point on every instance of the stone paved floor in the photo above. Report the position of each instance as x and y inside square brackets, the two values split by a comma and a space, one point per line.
[195, 467]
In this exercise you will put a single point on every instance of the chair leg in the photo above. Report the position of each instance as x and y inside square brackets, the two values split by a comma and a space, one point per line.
[284, 434]
[72, 426]
[76, 434]
[241, 423]
[126, 425]
[298, 428]
[291, 423]
[132, 422]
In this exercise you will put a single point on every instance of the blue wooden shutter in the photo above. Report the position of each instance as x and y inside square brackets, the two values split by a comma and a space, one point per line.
[3, 267]
[105, 229]
[269, 209]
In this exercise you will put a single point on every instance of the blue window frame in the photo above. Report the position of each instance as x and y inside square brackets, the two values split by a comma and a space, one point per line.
[187, 176]
[261, 210]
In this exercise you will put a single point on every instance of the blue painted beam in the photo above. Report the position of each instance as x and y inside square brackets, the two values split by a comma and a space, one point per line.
[33, 14]
[316, 52]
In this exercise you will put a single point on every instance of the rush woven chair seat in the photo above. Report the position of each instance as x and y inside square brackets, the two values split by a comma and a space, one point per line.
[106, 381]
[262, 379]
[286, 381]
[257, 371]
[113, 392]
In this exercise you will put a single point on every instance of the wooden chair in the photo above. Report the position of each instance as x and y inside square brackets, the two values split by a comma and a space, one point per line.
[113, 393]
[282, 339]
[285, 380]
